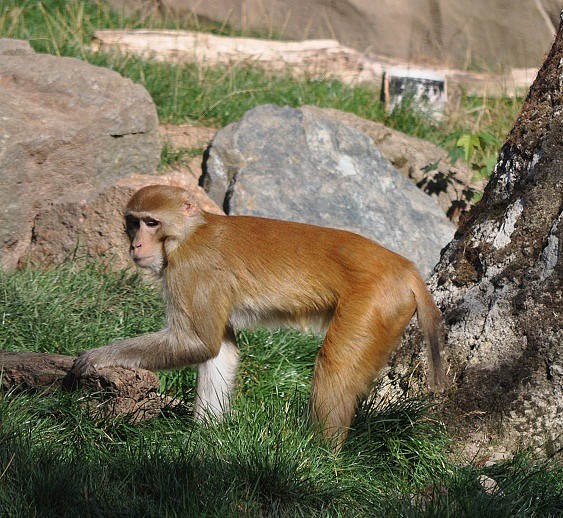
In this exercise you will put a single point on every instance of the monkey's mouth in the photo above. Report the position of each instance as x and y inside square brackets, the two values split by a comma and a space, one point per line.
[144, 260]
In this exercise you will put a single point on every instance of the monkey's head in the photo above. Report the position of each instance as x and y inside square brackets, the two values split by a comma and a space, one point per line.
[157, 219]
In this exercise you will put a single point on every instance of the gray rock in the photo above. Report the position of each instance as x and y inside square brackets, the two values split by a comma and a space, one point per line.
[67, 129]
[426, 165]
[290, 164]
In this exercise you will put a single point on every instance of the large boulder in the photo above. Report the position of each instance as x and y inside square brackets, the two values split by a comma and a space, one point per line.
[489, 34]
[68, 130]
[292, 164]
[426, 165]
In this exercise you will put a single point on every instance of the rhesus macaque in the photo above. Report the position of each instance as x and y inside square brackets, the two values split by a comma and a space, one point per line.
[224, 272]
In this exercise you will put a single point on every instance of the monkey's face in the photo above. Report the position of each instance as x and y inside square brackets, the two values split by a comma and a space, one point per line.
[157, 219]
[146, 238]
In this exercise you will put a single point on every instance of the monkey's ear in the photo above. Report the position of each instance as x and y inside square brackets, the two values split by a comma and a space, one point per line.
[190, 207]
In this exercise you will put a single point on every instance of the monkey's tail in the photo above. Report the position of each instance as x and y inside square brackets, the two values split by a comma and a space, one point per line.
[431, 323]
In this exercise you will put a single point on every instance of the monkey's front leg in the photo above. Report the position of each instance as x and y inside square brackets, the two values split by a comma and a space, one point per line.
[154, 351]
[216, 380]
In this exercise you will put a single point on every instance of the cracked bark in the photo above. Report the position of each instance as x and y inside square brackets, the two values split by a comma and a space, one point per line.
[499, 285]
[114, 391]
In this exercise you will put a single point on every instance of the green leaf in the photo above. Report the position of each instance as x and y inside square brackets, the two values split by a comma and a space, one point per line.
[469, 142]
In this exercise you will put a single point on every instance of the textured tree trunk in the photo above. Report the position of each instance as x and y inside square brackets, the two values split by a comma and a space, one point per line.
[499, 285]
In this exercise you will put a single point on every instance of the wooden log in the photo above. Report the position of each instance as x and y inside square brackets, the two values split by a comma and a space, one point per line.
[116, 391]
[312, 57]
[317, 58]
[33, 370]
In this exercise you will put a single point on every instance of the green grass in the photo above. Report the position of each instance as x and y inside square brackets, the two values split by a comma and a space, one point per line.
[169, 155]
[264, 460]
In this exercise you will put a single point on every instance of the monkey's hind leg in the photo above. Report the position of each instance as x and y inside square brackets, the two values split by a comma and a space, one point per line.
[353, 352]
[216, 380]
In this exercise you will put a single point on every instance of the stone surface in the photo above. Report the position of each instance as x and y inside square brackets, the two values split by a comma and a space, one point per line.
[68, 129]
[484, 33]
[10, 47]
[188, 142]
[89, 226]
[500, 286]
[187, 136]
[290, 164]
[426, 165]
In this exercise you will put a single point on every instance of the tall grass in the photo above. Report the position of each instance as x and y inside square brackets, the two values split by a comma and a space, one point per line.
[264, 460]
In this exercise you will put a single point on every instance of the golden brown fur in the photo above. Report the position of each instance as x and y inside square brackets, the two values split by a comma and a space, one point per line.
[223, 272]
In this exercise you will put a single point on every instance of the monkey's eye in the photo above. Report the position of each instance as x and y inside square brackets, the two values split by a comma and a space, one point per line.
[132, 223]
[152, 223]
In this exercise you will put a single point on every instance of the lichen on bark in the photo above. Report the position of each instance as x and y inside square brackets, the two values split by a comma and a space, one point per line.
[499, 285]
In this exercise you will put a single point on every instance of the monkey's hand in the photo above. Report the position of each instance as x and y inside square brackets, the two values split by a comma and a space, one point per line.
[88, 362]
[152, 351]
[140, 352]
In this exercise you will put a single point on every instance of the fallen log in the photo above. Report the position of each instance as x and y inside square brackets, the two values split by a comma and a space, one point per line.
[115, 391]
[28, 370]
[316, 58]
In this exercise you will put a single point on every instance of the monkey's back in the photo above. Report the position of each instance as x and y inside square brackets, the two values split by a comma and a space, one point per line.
[293, 268]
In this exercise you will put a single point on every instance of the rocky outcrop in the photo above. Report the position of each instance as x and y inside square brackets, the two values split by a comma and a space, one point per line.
[459, 33]
[68, 130]
[293, 164]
